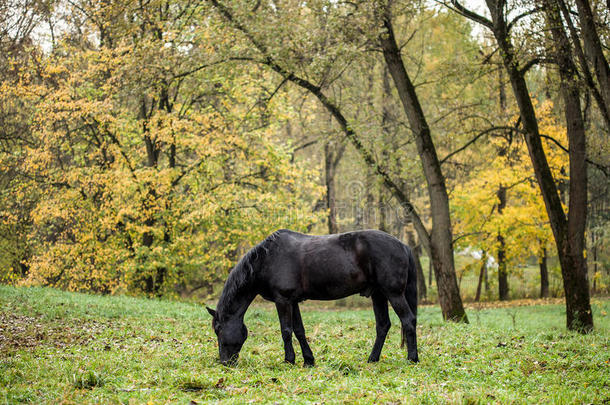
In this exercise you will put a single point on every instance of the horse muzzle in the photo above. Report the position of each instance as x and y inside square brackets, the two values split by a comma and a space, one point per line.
[230, 361]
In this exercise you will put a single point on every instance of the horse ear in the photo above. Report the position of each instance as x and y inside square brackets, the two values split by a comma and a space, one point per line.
[211, 311]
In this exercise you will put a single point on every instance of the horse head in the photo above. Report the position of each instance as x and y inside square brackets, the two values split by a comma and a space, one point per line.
[231, 333]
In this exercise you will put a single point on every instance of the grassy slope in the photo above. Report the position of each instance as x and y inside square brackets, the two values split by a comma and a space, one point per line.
[54, 346]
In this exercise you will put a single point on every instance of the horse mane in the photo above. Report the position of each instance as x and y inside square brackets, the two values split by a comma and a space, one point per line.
[244, 271]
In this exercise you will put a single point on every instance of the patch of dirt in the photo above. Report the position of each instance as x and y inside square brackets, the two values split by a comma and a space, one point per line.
[362, 303]
[26, 332]
[524, 302]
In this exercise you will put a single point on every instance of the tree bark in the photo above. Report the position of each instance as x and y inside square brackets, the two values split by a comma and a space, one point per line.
[502, 272]
[486, 280]
[501, 194]
[152, 157]
[153, 282]
[441, 241]
[501, 91]
[332, 156]
[568, 232]
[383, 224]
[572, 245]
[544, 276]
[477, 296]
[602, 102]
[594, 250]
[594, 51]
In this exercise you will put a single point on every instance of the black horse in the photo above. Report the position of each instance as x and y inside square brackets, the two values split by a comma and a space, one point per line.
[289, 267]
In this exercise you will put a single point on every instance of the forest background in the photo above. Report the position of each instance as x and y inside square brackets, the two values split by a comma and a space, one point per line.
[145, 145]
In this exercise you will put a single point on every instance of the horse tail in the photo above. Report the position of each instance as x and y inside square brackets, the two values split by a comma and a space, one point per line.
[411, 289]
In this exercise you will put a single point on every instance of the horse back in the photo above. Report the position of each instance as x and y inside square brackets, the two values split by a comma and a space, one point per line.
[333, 266]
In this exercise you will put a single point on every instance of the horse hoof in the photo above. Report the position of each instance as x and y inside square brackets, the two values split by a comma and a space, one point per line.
[372, 360]
[289, 361]
[308, 363]
[413, 359]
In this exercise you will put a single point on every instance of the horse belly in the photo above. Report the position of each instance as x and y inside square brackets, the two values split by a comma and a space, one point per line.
[333, 279]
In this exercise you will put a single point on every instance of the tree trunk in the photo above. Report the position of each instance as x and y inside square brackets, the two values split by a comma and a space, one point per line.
[383, 226]
[152, 158]
[594, 51]
[486, 280]
[501, 194]
[572, 245]
[330, 165]
[441, 242]
[154, 281]
[502, 272]
[566, 231]
[601, 100]
[594, 250]
[369, 220]
[544, 276]
[501, 91]
[477, 296]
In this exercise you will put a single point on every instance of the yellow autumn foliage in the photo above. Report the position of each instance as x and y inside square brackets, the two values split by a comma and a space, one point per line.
[144, 172]
[523, 223]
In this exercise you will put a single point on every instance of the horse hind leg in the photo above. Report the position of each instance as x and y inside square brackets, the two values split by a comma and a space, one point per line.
[411, 290]
[411, 296]
[382, 320]
[299, 331]
[407, 320]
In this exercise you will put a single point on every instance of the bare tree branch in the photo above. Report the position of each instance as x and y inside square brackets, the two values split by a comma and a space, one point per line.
[471, 15]
[476, 138]
[602, 168]
[526, 13]
[332, 108]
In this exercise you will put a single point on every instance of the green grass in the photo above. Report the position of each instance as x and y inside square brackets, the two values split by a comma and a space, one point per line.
[76, 348]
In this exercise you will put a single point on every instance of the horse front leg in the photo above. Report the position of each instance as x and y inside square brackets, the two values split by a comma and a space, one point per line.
[299, 331]
[284, 312]
[382, 320]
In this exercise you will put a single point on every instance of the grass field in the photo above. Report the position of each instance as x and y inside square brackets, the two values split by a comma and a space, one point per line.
[75, 348]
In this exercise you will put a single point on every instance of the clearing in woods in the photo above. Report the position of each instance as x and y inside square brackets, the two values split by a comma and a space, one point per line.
[77, 348]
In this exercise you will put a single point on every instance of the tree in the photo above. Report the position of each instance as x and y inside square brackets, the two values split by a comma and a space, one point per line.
[18, 21]
[439, 241]
[332, 156]
[154, 174]
[593, 50]
[568, 230]
[522, 220]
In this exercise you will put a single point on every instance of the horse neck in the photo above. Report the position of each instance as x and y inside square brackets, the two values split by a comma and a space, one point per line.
[237, 307]
[236, 300]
